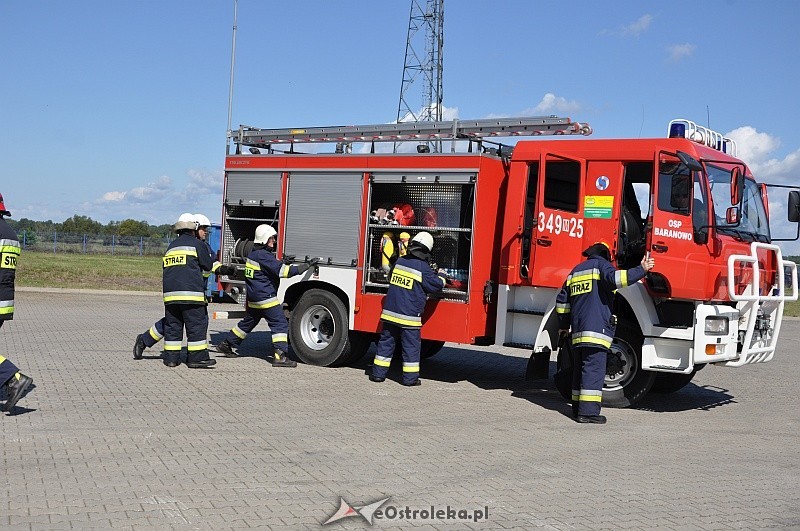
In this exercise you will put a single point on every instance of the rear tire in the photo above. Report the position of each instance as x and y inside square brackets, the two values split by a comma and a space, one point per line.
[627, 384]
[319, 330]
[430, 348]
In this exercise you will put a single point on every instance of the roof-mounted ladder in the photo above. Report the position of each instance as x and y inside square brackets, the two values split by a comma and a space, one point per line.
[412, 131]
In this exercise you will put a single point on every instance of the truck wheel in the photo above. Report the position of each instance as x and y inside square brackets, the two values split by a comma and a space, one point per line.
[430, 348]
[318, 329]
[359, 345]
[669, 382]
[626, 383]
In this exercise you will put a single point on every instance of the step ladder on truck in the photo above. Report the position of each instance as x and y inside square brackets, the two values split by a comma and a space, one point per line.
[509, 223]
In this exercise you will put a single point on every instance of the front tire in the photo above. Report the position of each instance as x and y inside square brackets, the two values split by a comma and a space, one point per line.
[319, 330]
[626, 383]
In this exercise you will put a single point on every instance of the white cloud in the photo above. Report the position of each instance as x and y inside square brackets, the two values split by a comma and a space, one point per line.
[756, 150]
[141, 194]
[113, 196]
[678, 52]
[633, 29]
[203, 183]
[552, 104]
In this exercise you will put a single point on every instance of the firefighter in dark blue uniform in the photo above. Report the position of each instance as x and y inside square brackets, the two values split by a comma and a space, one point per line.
[15, 382]
[263, 273]
[185, 297]
[585, 302]
[411, 280]
[156, 332]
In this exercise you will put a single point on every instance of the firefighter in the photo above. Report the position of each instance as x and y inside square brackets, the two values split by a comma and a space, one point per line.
[156, 332]
[185, 297]
[14, 381]
[411, 279]
[263, 272]
[585, 303]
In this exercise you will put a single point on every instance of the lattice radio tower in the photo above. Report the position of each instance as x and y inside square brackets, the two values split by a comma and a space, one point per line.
[421, 89]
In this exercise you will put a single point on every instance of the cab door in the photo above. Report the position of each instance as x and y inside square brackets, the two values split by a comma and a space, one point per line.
[558, 228]
[681, 258]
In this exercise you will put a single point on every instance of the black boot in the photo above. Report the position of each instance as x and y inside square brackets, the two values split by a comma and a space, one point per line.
[590, 419]
[201, 364]
[16, 388]
[138, 347]
[279, 359]
[226, 349]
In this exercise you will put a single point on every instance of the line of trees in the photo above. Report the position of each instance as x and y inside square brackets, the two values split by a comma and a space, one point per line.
[86, 225]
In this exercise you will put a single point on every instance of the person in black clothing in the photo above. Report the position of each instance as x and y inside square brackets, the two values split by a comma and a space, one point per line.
[584, 303]
[14, 381]
[410, 281]
[263, 272]
[155, 333]
[185, 297]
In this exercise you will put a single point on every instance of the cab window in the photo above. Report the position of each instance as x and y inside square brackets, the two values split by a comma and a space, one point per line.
[562, 184]
[674, 188]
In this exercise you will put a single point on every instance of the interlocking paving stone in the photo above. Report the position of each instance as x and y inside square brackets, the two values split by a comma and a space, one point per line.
[105, 441]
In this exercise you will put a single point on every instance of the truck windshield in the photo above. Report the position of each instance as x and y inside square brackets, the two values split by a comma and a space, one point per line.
[754, 224]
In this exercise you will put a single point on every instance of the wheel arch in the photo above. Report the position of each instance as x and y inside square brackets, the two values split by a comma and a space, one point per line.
[296, 291]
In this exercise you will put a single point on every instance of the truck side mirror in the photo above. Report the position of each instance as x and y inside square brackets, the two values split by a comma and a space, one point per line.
[700, 237]
[794, 206]
[732, 215]
[737, 185]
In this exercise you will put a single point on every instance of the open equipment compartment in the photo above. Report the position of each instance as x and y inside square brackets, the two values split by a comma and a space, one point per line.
[440, 204]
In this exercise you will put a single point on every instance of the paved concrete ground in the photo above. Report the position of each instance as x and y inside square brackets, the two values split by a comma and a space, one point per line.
[105, 441]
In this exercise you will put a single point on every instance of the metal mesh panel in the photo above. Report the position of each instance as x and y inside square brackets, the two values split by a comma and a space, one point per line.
[444, 210]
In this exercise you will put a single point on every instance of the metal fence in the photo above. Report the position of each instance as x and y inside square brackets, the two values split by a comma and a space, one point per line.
[61, 242]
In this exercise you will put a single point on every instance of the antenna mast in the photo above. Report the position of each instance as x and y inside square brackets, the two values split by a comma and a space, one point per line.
[230, 86]
[423, 62]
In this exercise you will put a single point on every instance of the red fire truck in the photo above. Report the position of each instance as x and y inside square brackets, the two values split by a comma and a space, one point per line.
[508, 225]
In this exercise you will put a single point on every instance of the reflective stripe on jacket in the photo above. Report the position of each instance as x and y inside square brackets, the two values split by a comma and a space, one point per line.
[587, 297]
[9, 254]
[263, 273]
[409, 283]
[184, 263]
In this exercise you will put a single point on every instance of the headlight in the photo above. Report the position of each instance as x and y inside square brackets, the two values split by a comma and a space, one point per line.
[716, 326]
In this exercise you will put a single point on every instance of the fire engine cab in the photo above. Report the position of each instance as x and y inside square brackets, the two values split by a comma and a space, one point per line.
[509, 223]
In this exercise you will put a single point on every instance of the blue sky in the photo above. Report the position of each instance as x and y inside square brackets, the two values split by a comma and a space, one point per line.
[116, 109]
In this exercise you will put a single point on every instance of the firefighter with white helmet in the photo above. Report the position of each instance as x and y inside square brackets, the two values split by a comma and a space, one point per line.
[410, 281]
[155, 333]
[185, 297]
[585, 303]
[263, 272]
[15, 382]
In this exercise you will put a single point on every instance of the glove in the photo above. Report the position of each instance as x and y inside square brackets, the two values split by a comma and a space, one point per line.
[314, 261]
[226, 270]
[302, 268]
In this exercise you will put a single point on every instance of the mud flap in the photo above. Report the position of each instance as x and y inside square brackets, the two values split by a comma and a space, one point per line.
[538, 365]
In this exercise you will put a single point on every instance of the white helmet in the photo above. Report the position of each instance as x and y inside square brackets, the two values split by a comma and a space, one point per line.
[186, 221]
[264, 233]
[202, 221]
[425, 239]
